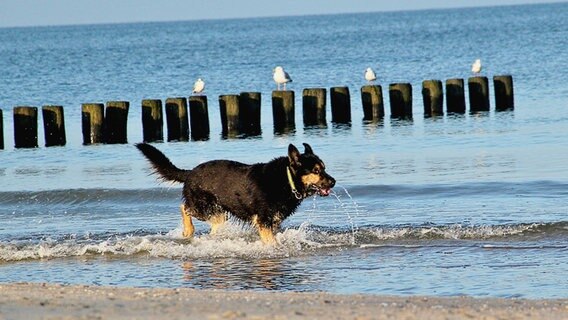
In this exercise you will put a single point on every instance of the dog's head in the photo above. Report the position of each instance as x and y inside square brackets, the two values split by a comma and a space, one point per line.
[308, 169]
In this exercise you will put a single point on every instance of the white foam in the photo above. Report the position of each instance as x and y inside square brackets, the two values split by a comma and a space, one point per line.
[232, 240]
[455, 231]
[241, 241]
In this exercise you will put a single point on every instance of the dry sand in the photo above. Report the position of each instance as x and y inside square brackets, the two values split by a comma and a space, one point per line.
[53, 301]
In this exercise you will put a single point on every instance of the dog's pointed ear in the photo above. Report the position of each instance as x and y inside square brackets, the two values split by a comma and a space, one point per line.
[293, 155]
[308, 149]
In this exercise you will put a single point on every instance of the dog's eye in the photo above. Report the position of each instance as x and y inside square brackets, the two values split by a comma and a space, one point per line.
[317, 171]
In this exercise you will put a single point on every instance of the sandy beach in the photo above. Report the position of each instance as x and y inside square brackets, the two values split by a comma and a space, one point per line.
[54, 301]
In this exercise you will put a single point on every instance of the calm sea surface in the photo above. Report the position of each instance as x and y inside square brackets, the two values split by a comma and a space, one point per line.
[475, 204]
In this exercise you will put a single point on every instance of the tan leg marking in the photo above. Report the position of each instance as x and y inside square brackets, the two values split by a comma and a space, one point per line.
[188, 228]
[266, 234]
[217, 221]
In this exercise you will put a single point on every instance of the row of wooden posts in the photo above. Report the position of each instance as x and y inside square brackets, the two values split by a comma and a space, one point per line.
[240, 114]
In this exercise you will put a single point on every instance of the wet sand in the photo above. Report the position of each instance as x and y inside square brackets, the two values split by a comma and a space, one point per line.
[54, 301]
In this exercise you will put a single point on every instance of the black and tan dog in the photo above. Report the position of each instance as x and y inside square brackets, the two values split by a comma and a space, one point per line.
[263, 194]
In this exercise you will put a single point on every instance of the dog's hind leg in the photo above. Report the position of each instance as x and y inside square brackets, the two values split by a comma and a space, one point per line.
[216, 221]
[188, 228]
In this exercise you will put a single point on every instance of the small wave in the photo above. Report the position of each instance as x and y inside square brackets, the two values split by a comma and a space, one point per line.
[237, 240]
[459, 231]
[234, 240]
[84, 196]
[522, 247]
[546, 189]
[97, 195]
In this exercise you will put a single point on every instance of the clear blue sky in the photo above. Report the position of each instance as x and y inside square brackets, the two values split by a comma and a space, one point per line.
[63, 12]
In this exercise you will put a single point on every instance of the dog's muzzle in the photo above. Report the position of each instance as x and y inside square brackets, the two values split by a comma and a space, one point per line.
[325, 189]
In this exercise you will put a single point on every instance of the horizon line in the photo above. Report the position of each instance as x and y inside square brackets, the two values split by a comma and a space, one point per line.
[273, 16]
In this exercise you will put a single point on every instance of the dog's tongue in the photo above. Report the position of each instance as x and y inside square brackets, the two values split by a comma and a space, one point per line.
[324, 192]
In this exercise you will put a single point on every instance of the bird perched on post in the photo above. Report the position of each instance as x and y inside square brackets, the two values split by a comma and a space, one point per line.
[198, 86]
[280, 77]
[476, 66]
[370, 75]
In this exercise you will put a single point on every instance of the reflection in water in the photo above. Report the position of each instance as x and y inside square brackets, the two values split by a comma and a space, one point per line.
[249, 274]
[340, 128]
[314, 131]
[479, 114]
[285, 131]
[372, 127]
[402, 122]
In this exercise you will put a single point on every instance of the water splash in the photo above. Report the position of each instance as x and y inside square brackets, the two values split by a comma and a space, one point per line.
[345, 208]
[238, 240]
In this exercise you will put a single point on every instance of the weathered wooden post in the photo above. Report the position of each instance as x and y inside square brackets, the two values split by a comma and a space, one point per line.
[177, 119]
[340, 105]
[152, 121]
[455, 96]
[313, 106]
[504, 99]
[25, 127]
[1, 130]
[400, 95]
[372, 100]
[230, 121]
[116, 118]
[53, 125]
[249, 104]
[478, 94]
[199, 118]
[283, 110]
[433, 97]
[92, 115]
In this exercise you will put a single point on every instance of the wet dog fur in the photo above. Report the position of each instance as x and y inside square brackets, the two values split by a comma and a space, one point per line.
[263, 194]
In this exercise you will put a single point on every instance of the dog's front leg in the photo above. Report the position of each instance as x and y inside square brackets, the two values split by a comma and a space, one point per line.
[266, 233]
[188, 228]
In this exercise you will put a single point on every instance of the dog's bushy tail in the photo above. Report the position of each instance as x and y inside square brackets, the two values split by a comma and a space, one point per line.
[161, 164]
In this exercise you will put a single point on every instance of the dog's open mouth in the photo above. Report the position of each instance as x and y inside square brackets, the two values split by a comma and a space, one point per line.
[324, 192]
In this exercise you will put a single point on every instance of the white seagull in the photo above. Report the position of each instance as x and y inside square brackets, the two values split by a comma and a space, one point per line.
[476, 66]
[198, 86]
[281, 77]
[370, 75]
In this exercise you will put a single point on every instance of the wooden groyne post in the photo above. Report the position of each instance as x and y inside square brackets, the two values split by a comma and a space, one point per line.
[340, 105]
[25, 127]
[249, 104]
[116, 119]
[504, 97]
[455, 96]
[433, 97]
[152, 120]
[53, 125]
[230, 118]
[478, 94]
[177, 119]
[313, 106]
[373, 104]
[283, 110]
[400, 95]
[92, 119]
[199, 118]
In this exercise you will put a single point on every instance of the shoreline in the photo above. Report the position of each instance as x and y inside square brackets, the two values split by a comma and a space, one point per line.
[56, 301]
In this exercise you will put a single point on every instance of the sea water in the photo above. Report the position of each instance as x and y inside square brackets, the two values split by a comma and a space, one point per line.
[472, 204]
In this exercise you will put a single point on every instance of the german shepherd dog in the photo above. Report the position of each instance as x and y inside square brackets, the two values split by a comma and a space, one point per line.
[263, 194]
